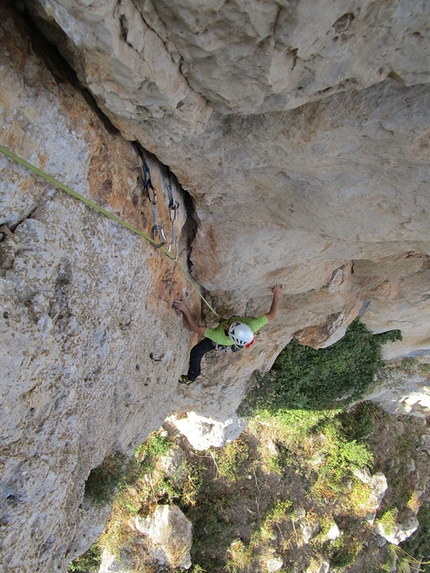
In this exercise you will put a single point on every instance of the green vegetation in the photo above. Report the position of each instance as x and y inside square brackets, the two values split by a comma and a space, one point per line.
[117, 471]
[288, 481]
[230, 458]
[305, 378]
[88, 562]
[388, 520]
[105, 480]
[155, 446]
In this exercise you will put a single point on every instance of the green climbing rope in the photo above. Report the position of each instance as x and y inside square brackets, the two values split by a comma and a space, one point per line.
[90, 203]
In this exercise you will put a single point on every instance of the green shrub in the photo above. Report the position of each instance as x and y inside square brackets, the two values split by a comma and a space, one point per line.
[155, 446]
[105, 480]
[305, 378]
[358, 423]
[89, 562]
[117, 471]
[343, 551]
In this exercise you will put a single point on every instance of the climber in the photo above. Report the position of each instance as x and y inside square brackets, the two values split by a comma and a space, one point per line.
[237, 332]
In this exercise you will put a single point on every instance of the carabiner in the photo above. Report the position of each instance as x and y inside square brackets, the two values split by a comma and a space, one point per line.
[173, 207]
[169, 248]
[155, 232]
[149, 186]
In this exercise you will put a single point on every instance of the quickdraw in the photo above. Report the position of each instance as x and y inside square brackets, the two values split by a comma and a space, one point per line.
[173, 210]
[107, 214]
[157, 231]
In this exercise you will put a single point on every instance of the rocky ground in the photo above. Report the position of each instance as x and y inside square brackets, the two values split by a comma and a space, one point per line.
[269, 500]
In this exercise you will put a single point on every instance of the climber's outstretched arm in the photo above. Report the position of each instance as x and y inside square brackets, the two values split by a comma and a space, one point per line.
[276, 289]
[180, 305]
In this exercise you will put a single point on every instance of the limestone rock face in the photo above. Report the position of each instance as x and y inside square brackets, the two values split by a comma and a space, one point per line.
[404, 393]
[307, 124]
[89, 352]
[378, 486]
[120, 54]
[203, 432]
[241, 56]
[301, 133]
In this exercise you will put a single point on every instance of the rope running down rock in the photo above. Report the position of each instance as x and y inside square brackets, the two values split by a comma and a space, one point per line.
[107, 214]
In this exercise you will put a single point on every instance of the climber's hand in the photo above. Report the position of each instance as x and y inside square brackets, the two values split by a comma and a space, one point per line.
[179, 304]
[277, 289]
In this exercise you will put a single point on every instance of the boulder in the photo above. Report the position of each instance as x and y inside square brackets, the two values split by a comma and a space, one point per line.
[170, 534]
[172, 464]
[333, 533]
[112, 564]
[274, 564]
[425, 442]
[307, 531]
[399, 531]
[203, 432]
[378, 486]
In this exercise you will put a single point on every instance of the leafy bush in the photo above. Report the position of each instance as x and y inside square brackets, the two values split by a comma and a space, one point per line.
[305, 378]
[343, 552]
[105, 480]
[117, 471]
[358, 423]
[87, 563]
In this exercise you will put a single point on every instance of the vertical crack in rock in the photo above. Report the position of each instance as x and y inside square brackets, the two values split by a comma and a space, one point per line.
[59, 306]
[189, 229]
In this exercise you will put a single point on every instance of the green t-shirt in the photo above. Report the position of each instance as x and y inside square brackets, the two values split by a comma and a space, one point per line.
[219, 336]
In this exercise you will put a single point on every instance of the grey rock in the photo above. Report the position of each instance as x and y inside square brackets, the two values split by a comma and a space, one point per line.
[425, 443]
[111, 564]
[399, 532]
[203, 432]
[308, 125]
[170, 533]
[274, 564]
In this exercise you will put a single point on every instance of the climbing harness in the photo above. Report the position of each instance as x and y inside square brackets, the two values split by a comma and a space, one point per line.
[107, 214]
[224, 349]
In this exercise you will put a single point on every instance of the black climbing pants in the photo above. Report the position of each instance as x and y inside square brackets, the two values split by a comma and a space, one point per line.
[196, 355]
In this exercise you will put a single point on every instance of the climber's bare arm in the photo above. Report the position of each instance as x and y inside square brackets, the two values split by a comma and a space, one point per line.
[276, 289]
[179, 304]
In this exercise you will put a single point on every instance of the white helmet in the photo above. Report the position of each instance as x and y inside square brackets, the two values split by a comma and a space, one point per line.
[241, 334]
